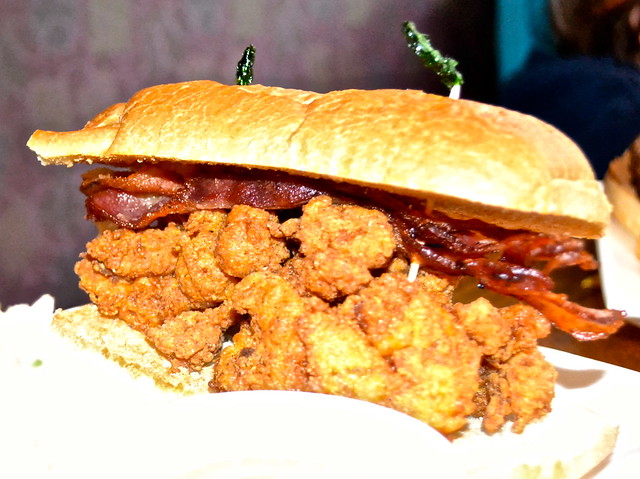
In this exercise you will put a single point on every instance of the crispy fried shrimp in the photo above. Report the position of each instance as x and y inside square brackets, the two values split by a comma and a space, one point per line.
[269, 343]
[339, 246]
[192, 338]
[485, 325]
[141, 303]
[132, 255]
[521, 389]
[435, 361]
[198, 269]
[250, 241]
[329, 275]
[516, 381]
[341, 361]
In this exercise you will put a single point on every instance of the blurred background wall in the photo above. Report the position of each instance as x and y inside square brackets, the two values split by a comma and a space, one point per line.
[63, 61]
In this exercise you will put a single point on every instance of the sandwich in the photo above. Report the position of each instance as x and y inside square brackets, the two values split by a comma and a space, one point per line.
[254, 237]
[622, 186]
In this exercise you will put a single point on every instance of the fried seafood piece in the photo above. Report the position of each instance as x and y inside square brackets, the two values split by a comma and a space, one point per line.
[412, 326]
[267, 352]
[339, 246]
[130, 254]
[521, 389]
[485, 325]
[192, 338]
[329, 275]
[141, 303]
[517, 382]
[239, 367]
[146, 277]
[250, 241]
[198, 269]
[528, 325]
[341, 361]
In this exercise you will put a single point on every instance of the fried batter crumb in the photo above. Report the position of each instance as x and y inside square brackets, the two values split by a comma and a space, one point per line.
[249, 242]
[192, 338]
[198, 269]
[119, 251]
[267, 352]
[339, 246]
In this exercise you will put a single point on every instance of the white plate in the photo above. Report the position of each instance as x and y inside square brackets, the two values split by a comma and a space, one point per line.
[66, 413]
[620, 271]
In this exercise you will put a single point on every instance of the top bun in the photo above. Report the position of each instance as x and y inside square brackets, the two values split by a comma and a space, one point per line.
[467, 159]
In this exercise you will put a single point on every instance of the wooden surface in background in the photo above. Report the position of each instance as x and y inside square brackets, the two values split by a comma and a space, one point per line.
[621, 348]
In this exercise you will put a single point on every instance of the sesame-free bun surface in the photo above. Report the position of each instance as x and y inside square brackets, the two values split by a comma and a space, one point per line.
[467, 159]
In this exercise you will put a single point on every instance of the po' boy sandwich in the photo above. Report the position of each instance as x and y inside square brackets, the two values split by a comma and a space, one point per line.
[254, 237]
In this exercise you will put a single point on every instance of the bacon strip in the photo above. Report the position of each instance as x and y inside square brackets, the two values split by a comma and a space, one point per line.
[501, 260]
[153, 194]
[584, 324]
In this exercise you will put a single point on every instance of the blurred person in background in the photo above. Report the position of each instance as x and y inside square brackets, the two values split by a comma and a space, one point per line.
[587, 82]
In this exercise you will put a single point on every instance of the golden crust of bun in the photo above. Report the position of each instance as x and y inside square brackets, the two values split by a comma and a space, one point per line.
[467, 159]
[623, 196]
[569, 442]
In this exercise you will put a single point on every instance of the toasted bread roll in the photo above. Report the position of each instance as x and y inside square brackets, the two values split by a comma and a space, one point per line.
[467, 159]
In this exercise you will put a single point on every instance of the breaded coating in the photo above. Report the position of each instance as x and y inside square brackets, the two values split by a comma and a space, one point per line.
[198, 268]
[350, 230]
[527, 326]
[434, 359]
[485, 325]
[269, 343]
[141, 303]
[395, 314]
[527, 403]
[329, 275]
[250, 241]
[205, 221]
[517, 382]
[192, 338]
[521, 389]
[341, 361]
[143, 284]
[239, 368]
[119, 251]
[339, 246]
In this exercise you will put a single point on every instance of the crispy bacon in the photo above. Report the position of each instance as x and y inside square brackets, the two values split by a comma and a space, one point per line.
[130, 210]
[501, 260]
[154, 193]
[148, 179]
[582, 323]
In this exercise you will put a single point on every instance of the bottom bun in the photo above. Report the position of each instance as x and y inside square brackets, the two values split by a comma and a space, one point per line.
[623, 196]
[570, 442]
[117, 341]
